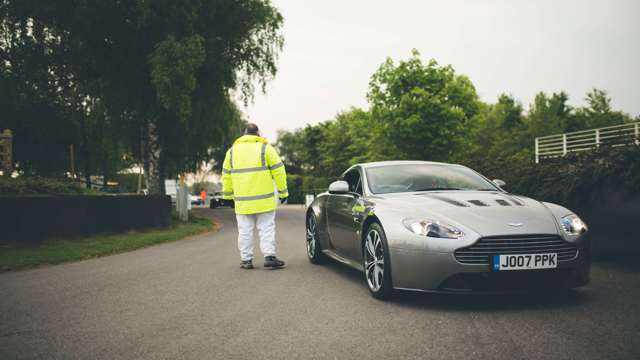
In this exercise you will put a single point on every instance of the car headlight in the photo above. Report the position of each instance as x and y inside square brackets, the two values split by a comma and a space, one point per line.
[432, 228]
[572, 225]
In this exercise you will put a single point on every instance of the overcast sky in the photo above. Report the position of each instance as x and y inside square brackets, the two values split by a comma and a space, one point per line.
[515, 46]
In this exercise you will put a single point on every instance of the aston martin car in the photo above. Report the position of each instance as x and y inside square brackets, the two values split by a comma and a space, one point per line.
[438, 227]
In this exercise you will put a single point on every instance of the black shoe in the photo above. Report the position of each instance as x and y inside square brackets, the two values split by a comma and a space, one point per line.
[246, 264]
[273, 262]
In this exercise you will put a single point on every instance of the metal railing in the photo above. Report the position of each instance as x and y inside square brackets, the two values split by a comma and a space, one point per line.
[561, 144]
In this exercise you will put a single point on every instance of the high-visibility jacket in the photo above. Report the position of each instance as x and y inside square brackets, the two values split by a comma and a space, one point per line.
[250, 168]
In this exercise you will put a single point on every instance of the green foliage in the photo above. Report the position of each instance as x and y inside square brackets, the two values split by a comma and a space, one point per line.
[96, 74]
[173, 72]
[576, 180]
[422, 109]
[428, 112]
[38, 186]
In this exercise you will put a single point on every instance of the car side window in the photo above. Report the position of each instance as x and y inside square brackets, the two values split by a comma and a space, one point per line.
[354, 180]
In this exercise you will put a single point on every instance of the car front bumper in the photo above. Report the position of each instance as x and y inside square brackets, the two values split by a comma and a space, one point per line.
[424, 270]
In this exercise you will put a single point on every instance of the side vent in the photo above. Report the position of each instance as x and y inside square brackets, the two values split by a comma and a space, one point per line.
[447, 200]
[478, 202]
[503, 202]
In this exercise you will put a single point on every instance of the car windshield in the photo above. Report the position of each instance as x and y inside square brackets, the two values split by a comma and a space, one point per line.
[424, 177]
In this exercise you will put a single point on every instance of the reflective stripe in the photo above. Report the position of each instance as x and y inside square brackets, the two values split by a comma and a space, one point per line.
[245, 170]
[256, 197]
[227, 193]
[225, 171]
[231, 157]
[280, 164]
[262, 155]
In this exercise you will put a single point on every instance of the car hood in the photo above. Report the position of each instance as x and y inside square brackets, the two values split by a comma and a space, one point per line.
[487, 213]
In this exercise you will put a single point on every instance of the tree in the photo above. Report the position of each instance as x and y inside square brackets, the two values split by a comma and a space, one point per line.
[163, 69]
[422, 110]
[598, 112]
[496, 132]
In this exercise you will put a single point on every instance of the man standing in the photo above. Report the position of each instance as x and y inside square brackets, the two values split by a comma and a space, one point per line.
[249, 170]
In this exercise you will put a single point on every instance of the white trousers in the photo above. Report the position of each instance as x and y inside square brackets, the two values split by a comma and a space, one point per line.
[266, 224]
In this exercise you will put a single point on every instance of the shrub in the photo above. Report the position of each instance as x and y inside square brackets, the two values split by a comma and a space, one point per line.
[26, 185]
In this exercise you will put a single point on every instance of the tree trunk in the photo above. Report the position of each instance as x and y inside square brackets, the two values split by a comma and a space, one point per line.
[152, 152]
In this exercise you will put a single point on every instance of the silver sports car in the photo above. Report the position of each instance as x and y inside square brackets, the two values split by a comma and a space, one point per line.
[428, 226]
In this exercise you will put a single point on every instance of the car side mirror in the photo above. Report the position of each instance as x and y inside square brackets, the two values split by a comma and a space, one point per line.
[499, 182]
[339, 187]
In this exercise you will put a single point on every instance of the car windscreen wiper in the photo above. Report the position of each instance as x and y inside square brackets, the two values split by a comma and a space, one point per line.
[438, 188]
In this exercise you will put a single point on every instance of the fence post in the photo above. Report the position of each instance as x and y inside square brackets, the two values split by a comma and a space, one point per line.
[537, 151]
[564, 144]
[597, 138]
[637, 131]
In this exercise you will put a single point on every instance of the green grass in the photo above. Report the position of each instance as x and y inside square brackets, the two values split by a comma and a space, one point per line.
[54, 251]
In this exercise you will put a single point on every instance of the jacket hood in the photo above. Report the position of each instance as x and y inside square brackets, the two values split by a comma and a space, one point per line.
[487, 213]
[251, 139]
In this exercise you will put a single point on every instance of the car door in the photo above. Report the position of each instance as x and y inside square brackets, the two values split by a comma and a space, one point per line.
[342, 218]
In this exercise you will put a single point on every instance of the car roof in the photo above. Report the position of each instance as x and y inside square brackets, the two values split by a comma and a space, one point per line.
[401, 162]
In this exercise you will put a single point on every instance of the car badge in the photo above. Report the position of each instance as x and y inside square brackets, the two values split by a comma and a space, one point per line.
[516, 224]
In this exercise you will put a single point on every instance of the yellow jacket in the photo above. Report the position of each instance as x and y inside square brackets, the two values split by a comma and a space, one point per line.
[249, 170]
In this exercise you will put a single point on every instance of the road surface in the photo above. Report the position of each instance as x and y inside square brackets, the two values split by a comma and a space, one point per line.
[190, 300]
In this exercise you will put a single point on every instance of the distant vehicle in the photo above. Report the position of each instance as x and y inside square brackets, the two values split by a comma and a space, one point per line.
[218, 201]
[112, 187]
[195, 199]
[439, 227]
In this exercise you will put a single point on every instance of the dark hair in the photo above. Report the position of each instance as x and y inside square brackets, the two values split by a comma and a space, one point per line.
[251, 129]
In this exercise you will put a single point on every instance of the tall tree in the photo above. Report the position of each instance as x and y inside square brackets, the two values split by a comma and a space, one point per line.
[423, 109]
[165, 69]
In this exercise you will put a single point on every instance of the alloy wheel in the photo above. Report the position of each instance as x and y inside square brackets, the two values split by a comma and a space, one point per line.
[312, 229]
[374, 260]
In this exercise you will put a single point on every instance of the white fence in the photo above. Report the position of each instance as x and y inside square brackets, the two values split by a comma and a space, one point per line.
[561, 144]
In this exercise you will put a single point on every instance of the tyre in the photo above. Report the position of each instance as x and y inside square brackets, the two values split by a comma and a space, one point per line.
[377, 267]
[314, 253]
[213, 204]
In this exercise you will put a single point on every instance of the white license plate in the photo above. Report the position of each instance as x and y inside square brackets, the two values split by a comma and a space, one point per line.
[524, 262]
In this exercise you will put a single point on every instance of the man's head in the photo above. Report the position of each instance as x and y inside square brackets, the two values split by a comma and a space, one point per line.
[251, 129]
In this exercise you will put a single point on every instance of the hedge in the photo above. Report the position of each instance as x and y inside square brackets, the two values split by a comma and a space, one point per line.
[34, 218]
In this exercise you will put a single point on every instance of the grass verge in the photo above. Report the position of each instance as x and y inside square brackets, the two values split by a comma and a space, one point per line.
[54, 251]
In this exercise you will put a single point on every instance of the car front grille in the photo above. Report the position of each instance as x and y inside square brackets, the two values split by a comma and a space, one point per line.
[479, 253]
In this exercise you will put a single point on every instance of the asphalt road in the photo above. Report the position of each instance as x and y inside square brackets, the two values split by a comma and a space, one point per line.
[190, 300]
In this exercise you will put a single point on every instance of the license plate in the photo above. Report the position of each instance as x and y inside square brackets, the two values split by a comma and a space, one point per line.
[524, 262]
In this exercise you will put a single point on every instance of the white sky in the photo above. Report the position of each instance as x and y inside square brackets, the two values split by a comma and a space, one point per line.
[519, 47]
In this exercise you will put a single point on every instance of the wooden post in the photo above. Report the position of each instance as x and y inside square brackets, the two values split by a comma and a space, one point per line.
[564, 144]
[637, 131]
[72, 162]
[6, 155]
[140, 180]
[537, 151]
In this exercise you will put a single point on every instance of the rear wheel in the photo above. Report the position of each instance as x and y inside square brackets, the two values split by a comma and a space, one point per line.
[377, 269]
[314, 253]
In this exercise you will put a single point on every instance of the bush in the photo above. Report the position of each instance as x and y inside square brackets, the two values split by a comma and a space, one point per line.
[577, 180]
[25, 185]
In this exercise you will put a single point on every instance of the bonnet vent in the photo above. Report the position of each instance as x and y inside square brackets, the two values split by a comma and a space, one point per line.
[447, 200]
[478, 202]
[503, 202]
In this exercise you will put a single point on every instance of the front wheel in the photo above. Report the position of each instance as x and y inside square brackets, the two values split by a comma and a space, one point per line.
[314, 253]
[377, 269]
